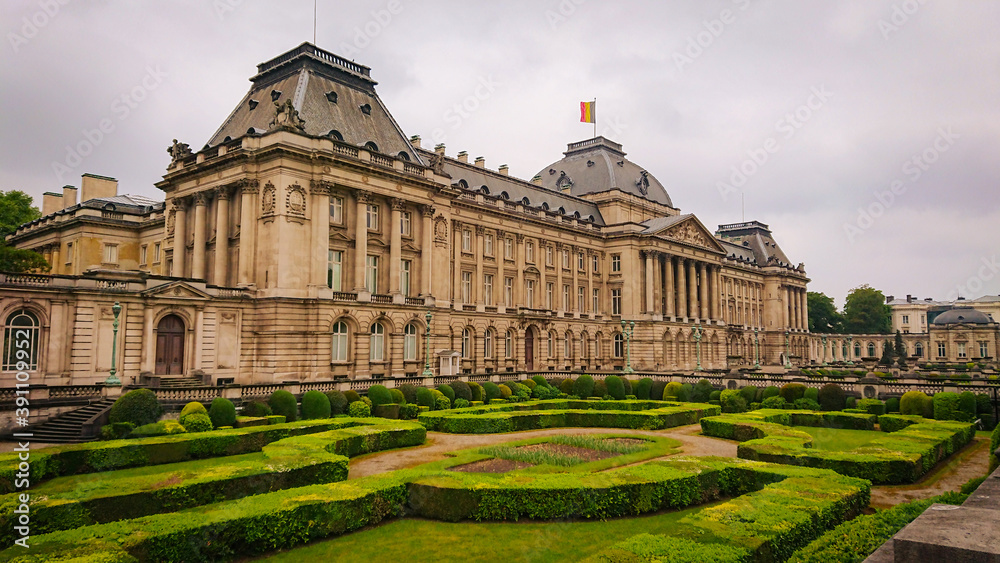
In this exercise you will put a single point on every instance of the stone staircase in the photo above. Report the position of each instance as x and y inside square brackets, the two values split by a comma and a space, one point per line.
[180, 382]
[67, 427]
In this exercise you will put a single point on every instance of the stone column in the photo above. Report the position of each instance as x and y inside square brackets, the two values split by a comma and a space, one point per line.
[198, 255]
[717, 291]
[248, 230]
[426, 250]
[148, 340]
[669, 286]
[542, 279]
[395, 247]
[361, 240]
[477, 283]
[786, 307]
[180, 237]
[499, 256]
[321, 231]
[456, 284]
[703, 298]
[693, 310]
[199, 335]
[56, 264]
[649, 282]
[557, 292]
[805, 310]
[589, 298]
[682, 309]
[222, 236]
[574, 267]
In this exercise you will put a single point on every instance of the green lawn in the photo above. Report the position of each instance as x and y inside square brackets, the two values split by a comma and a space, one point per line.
[836, 439]
[427, 540]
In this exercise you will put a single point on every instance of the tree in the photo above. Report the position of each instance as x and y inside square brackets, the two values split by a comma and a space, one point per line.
[866, 312]
[823, 315]
[900, 351]
[886, 354]
[16, 210]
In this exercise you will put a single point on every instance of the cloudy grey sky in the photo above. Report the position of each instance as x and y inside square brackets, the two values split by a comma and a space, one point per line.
[865, 133]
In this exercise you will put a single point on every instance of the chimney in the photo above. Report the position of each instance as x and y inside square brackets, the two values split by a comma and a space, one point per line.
[909, 298]
[69, 196]
[503, 170]
[480, 162]
[463, 156]
[415, 141]
[439, 149]
[93, 186]
[889, 298]
[928, 299]
[51, 202]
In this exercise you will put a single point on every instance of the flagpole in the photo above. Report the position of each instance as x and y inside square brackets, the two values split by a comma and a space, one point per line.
[595, 117]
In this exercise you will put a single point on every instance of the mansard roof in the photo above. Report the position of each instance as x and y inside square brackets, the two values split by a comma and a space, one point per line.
[754, 237]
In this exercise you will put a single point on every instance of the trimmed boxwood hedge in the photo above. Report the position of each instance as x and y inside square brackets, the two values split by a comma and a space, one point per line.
[282, 402]
[138, 406]
[315, 405]
[222, 412]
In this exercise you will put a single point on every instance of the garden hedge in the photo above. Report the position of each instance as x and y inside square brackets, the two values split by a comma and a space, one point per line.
[284, 403]
[222, 412]
[138, 406]
[994, 445]
[315, 405]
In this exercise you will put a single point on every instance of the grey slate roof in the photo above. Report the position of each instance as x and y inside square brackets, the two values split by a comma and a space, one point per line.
[962, 315]
[754, 237]
[657, 224]
[312, 78]
[599, 165]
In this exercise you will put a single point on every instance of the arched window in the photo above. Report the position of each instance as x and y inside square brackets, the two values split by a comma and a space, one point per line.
[339, 341]
[484, 190]
[857, 350]
[843, 350]
[466, 343]
[488, 344]
[584, 350]
[370, 146]
[377, 353]
[545, 206]
[918, 350]
[871, 349]
[403, 156]
[552, 344]
[525, 202]
[568, 345]
[410, 342]
[335, 135]
[619, 350]
[20, 336]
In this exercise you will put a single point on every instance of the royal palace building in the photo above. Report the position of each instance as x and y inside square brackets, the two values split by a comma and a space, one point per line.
[311, 239]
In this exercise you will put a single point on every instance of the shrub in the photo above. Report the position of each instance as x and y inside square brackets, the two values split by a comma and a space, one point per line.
[116, 430]
[715, 396]
[946, 406]
[315, 405]
[702, 391]
[732, 401]
[872, 406]
[194, 407]
[851, 402]
[442, 403]
[567, 385]
[197, 422]
[600, 388]
[408, 411]
[283, 403]
[812, 393]
[138, 406]
[656, 391]
[774, 402]
[831, 397]
[461, 403]
[359, 409]
[425, 397]
[983, 405]
[994, 444]
[379, 395]
[477, 391]
[546, 392]
[529, 383]
[615, 387]
[409, 392]
[806, 404]
[749, 393]
[257, 409]
[892, 405]
[161, 428]
[222, 412]
[447, 391]
[490, 391]
[583, 386]
[462, 390]
[505, 391]
[540, 380]
[642, 388]
[628, 386]
[967, 405]
[352, 396]
[338, 402]
[770, 391]
[793, 391]
[684, 395]
[397, 396]
[672, 389]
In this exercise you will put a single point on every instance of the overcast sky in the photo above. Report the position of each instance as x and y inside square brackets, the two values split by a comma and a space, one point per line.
[866, 133]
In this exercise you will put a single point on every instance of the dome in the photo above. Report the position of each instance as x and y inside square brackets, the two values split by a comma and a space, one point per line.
[599, 165]
[962, 315]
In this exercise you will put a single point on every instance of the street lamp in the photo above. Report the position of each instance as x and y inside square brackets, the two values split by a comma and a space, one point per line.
[112, 380]
[756, 350]
[628, 332]
[788, 357]
[697, 345]
[427, 364]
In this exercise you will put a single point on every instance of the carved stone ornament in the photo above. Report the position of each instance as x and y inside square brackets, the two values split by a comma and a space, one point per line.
[643, 183]
[287, 117]
[688, 233]
[564, 181]
[295, 199]
[178, 151]
[171, 218]
[267, 199]
[441, 229]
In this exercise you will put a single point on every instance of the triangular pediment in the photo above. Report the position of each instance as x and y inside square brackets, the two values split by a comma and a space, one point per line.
[686, 229]
[176, 290]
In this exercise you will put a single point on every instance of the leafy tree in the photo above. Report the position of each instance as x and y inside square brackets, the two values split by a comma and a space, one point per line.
[15, 210]
[866, 312]
[823, 315]
[15, 261]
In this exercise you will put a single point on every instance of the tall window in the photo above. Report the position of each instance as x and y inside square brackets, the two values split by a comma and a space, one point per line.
[488, 289]
[871, 350]
[110, 253]
[597, 264]
[529, 294]
[156, 252]
[410, 342]
[843, 350]
[377, 352]
[984, 349]
[529, 252]
[466, 287]
[918, 350]
[616, 301]
[961, 350]
[597, 301]
[548, 255]
[371, 214]
[371, 274]
[339, 341]
[581, 263]
[565, 298]
[508, 248]
[334, 269]
[551, 344]
[568, 345]
[857, 350]
[467, 343]
[404, 276]
[466, 240]
[584, 350]
[598, 346]
[337, 210]
[942, 350]
[549, 289]
[488, 344]
[508, 344]
[565, 259]
[906, 319]
[142, 255]
[508, 292]
[20, 337]
[581, 299]
[488, 245]
[405, 223]
[616, 262]
[619, 350]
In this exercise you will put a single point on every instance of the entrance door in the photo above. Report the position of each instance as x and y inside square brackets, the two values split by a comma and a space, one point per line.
[170, 346]
[529, 349]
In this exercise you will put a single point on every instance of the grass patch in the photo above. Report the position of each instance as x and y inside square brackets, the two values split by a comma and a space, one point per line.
[838, 439]
[525, 454]
[602, 443]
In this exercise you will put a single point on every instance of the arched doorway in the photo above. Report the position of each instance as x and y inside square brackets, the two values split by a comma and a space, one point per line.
[170, 346]
[529, 349]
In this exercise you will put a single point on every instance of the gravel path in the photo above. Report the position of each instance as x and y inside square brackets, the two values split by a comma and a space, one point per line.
[970, 462]
[438, 444]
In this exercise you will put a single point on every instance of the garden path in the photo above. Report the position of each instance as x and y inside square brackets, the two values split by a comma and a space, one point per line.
[970, 462]
[438, 444]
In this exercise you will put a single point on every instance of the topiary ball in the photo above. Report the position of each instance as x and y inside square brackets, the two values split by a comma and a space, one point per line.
[397, 396]
[447, 391]
[477, 391]
[584, 386]
[315, 405]
[425, 397]
[642, 388]
[409, 392]
[359, 409]
[505, 391]
[566, 385]
[672, 391]
[657, 389]
[197, 422]
[222, 412]
[283, 403]
[462, 390]
[257, 409]
[194, 407]
[352, 396]
[138, 406]
[615, 387]
[338, 402]
[491, 391]
[379, 395]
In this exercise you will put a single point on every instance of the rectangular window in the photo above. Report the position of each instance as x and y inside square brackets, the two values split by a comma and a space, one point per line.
[616, 262]
[508, 248]
[565, 298]
[942, 350]
[405, 221]
[548, 255]
[961, 350]
[466, 240]
[529, 252]
[549, 289]
[597, 264]
[508, 344]
[371, 274]
[906, 319]
[110, 253]
[69, 252]
[616, 301]
[565, 259]
[597, 301]
[508, 292]
[529, 294]
[410, 342]
[334, 269]
[371, 215]
[337, 210]
[404, 276]
[488, 289]
[142, 255]
[984, 349]
[581, 262]
[156, 253]
[487, 245]
[466, 287]
[581, 299]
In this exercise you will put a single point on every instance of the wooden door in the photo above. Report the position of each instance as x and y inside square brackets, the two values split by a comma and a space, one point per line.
[170, 346]
[529, 349]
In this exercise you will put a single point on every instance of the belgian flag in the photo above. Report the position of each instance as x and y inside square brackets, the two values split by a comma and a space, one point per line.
[588, 112]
